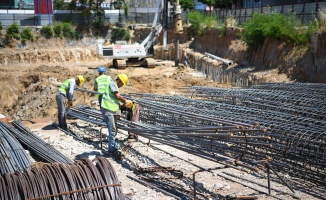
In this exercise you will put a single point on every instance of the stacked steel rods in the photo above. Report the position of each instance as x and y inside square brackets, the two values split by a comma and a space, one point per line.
[13, 157]
[279, 124]
[294, 115]
[85, 179]
[222, 141]
[35, 144]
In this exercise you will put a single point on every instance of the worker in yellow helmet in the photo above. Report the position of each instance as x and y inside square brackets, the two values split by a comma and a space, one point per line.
[110, 106]
[66, 90]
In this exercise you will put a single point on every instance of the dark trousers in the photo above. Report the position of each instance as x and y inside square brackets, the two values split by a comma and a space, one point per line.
[100, 100]
[61, 101]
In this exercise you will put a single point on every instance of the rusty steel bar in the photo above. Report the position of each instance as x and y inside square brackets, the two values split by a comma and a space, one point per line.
[81, 180]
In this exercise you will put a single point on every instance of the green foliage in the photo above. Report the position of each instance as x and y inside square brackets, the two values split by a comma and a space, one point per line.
[98, 22]
[47, 31]
[58, 29]
[230, 22]
[210, 22]
[321, 20]
[224, 3]
[199, 23]
[120, 33]
[72, 5]
[126, 8]
[13, 32]
[195, 19]
[68, 30]
[274, 25]
[223, 31]
[121, 4]
[0, 26]
[59, 5]
[208, 2]
[26, 34]
[187, 4]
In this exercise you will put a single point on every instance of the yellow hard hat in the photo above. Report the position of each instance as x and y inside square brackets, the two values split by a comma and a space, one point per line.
[81, 79]
[123, 78]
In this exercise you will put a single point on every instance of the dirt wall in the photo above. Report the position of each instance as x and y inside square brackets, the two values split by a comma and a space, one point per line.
[304, 64]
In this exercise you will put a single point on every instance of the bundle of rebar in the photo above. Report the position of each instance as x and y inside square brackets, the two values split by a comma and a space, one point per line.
[218, 140]
[297, 144]
[245, 127]
[13, 156]
[294, 115]
[36, 145]
[85, 179]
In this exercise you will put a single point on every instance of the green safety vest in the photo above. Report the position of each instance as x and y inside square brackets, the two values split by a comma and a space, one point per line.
[102, 81]
[109, 101]
[65, 86]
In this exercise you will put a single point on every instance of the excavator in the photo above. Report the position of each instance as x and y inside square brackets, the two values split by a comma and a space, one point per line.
[125, 55]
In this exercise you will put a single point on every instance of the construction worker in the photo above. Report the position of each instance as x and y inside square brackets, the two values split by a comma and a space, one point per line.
[101, 82]
[66, 90]
[110, 106]
[106, 43]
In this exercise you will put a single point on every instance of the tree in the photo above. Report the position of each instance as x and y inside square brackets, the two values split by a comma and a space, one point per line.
[225, 3]
[187, 5]
[210, 3]
[121, 4]
[59, 5]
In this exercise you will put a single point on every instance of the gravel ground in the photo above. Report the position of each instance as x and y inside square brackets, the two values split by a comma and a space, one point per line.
[176, 180]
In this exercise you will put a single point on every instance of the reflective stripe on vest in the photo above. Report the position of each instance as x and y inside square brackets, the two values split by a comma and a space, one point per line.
[102, 82]
[65, 86]
[109, 101]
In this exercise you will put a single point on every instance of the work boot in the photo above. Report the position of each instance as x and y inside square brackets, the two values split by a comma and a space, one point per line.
[132, 138]
[111, 154]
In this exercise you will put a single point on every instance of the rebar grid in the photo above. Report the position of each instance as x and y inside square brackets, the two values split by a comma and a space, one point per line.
[85, 179]
[293, 101]
[298, 143]
[314, 88]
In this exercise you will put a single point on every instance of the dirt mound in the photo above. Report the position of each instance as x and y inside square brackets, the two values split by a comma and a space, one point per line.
[29, 90]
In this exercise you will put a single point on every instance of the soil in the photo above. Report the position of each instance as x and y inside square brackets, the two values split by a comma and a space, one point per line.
[28, 93]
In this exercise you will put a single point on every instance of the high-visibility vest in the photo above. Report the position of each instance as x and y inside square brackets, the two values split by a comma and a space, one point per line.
[109, 101]
[102, 81]
[65, 86]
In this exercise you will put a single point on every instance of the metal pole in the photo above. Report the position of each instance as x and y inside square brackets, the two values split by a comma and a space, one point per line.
[176, 49]
[178, 30]
[268, 179]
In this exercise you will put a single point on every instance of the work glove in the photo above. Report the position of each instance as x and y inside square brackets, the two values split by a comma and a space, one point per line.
[128, 104]
[71, 104]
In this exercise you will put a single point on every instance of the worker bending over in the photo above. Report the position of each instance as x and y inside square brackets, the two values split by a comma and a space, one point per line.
[110, 106]
[101, 82]
[66, 90]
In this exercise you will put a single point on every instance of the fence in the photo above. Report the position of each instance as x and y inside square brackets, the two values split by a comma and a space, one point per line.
[304, 12]
[28, 18]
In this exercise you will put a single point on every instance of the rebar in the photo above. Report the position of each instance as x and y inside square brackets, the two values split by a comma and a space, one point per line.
[307, 138]
[85, 179]
[13, 156]
[36, 145]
